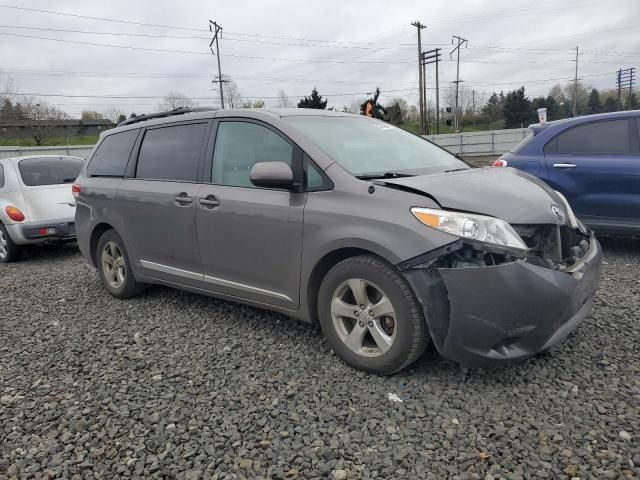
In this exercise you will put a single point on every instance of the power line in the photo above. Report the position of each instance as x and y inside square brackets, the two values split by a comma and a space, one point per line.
[195, 37]
[252, 57]
[115, 96]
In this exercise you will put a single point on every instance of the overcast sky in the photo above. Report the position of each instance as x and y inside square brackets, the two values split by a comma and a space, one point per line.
[344, 48]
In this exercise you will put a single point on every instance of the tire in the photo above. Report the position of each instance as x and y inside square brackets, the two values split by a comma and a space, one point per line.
[383, 339]
[114, 266]
[9, 251]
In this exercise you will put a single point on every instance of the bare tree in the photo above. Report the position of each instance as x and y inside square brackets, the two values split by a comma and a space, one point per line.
[115, 114]
[44, 121]
[91, 115]
[175, 100]
[231, 92]
[283, 99]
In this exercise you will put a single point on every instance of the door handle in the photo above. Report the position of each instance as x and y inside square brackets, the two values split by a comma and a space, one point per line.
[210, 201]
[183, 199]
[564, 165]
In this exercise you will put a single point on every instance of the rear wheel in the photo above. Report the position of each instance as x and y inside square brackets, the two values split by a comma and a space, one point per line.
[370, 317]
[9, 251]
[114, 266]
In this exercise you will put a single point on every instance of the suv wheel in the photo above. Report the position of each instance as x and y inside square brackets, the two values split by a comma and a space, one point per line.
[9, 251]
[114, 266]
[370, 317]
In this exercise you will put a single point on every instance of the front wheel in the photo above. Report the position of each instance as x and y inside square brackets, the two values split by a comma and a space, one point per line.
[370, 317]
[114, 266]
[9, 251]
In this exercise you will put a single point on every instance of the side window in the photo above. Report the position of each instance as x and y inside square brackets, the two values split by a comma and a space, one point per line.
[1, 176]
[239, 146]
[112, 155]
[171, 153]
[598, 138]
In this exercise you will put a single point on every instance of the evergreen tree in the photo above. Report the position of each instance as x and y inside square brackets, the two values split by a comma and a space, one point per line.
[554, 110]
[610, 105]
[516, 109]
[314, 101]
[376, 110]
[594, 105]
[6, 111]
[492, 110]
[121, 118]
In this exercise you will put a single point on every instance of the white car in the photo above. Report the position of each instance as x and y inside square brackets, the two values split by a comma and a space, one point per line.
[36, 202]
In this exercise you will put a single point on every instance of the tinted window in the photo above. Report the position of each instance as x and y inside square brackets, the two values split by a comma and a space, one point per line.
[112, 155]
[1, 176]
[171, 153]
[240, 145]
[608, 137]
[49, 171]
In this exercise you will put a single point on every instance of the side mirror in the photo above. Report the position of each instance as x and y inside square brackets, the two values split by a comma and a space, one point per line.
[272, 175]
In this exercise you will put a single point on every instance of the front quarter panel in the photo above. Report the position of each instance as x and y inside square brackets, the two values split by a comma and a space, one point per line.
[380, 222]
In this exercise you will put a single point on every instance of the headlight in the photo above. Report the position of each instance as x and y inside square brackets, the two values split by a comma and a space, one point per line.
[480, 228]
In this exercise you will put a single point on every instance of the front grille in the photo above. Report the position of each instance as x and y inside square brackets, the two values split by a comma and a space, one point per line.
[553, 246]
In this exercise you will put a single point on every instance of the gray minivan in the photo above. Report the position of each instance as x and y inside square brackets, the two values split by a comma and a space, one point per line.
[383, 238]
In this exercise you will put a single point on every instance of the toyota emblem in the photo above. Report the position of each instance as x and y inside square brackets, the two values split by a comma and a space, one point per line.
[557, 211]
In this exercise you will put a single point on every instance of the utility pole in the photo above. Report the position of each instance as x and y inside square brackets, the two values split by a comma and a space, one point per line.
[619, 82]
[575, 85]
[428, 57]
[460, 41]
[420, 26]
[217, 32]
[473, 106]
[625, 78]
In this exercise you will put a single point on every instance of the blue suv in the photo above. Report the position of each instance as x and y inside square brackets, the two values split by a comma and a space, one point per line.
[594, 161]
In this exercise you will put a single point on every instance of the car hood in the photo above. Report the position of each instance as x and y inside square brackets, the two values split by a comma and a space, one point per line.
[505, 193]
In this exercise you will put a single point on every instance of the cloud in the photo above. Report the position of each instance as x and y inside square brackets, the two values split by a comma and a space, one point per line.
[345, 49]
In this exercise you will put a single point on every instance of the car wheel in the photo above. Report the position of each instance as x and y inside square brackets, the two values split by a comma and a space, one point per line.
[9, 251]
[370, 316]
[114, 266]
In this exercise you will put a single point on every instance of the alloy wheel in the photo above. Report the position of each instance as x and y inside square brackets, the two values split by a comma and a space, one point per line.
[363, 317]
[4, 247]
[113, 265]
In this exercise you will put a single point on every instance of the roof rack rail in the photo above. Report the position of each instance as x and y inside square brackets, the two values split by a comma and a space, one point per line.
[170, 113]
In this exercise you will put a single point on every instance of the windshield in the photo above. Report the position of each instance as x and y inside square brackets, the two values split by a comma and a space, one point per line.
[365, 146]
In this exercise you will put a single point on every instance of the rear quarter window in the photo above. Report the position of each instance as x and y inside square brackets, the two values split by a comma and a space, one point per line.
[171, 153]
[112, 155]
[36, 172]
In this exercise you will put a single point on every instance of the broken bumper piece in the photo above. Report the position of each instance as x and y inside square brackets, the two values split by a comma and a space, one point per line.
[508, 312]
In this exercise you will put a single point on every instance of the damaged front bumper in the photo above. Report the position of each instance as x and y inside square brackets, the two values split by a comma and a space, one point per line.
[487, 315]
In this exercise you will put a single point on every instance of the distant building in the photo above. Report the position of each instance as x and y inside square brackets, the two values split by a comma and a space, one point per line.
[28, 129]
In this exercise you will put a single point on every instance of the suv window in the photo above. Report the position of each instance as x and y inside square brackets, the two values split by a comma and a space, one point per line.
[240, 145]
[112, 155]
[171, 153]
[1, 176]
[606, 137]
[49, 171]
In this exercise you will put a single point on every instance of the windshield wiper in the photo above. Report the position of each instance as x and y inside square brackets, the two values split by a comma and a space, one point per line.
[457, 169]
[372, 176]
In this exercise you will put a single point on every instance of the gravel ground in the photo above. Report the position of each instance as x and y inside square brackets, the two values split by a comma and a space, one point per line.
[175, 385]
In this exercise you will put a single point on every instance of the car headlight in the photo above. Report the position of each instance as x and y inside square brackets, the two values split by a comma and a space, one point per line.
[480, 228]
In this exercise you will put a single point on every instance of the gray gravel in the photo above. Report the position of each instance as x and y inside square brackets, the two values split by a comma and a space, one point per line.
[178, 385]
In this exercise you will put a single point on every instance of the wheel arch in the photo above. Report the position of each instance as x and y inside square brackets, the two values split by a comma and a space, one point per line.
[96, 233]
[320, 269]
